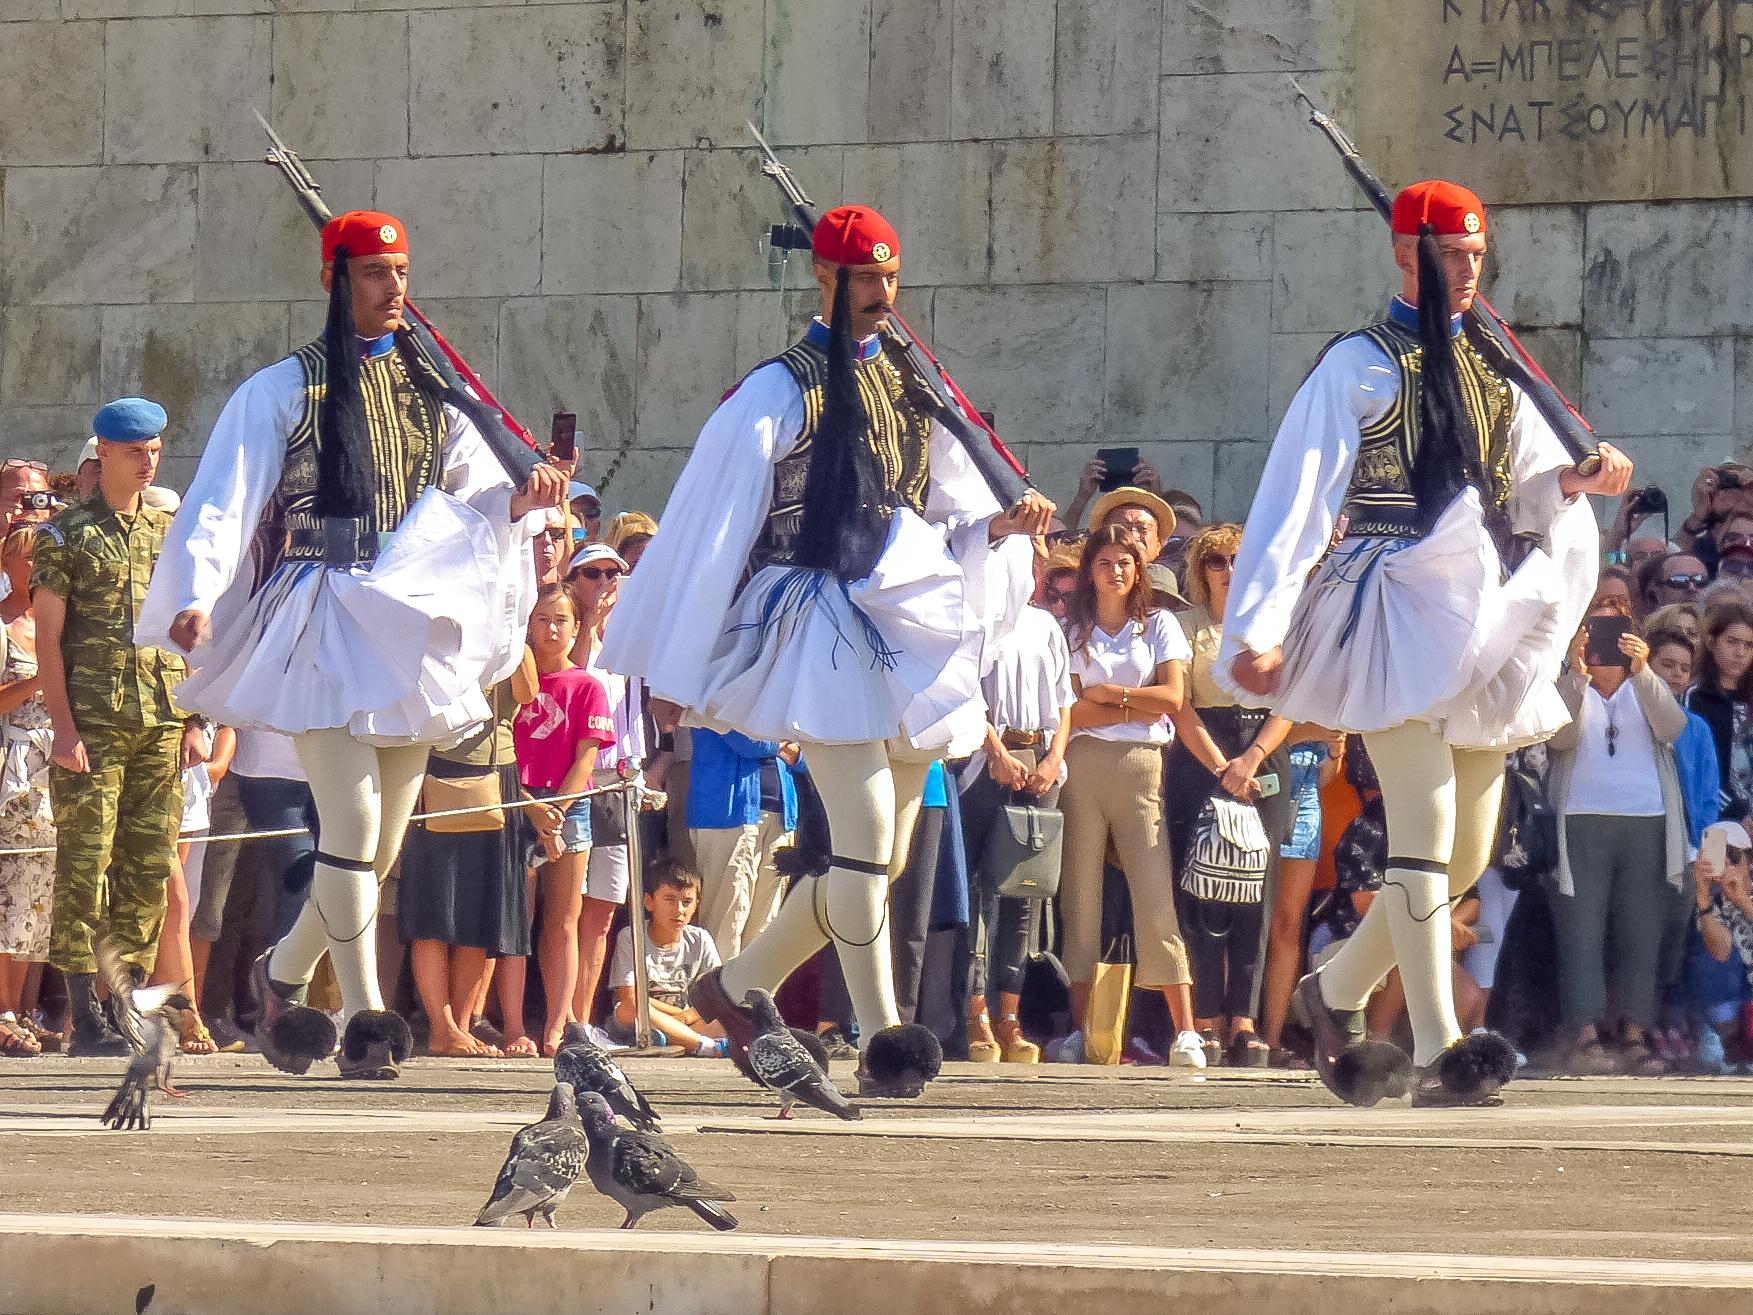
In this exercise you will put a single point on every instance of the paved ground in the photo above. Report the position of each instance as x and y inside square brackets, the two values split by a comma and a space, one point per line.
[1614, 1167]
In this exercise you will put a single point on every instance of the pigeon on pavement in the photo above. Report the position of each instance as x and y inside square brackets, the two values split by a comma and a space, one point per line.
[782, 1064]
[640, 1173]
[150, 1017]
[588, 1067]
[541, 1167]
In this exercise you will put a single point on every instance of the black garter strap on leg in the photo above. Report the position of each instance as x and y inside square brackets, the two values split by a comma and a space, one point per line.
[344, 864]
[1428, 866]
[819, 908]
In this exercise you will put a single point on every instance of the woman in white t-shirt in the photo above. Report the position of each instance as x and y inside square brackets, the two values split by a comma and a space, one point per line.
[1129, 671]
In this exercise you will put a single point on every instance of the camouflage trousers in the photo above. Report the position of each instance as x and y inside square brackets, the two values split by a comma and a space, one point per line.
[116, 829]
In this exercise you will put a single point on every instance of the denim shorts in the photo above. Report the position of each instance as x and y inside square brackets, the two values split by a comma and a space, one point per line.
[574, 831]
[1305, 796]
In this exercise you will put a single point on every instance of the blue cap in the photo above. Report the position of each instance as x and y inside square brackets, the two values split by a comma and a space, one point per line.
[578, 489]
[130, 420]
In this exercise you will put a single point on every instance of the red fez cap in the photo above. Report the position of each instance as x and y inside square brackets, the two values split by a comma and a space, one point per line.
[854, 235]
[1447, 207]
[364, 233]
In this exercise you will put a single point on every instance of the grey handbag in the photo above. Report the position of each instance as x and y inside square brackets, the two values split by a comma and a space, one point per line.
[1021, 859]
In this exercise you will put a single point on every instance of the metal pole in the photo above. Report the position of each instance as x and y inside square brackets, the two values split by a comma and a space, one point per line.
[631, 791]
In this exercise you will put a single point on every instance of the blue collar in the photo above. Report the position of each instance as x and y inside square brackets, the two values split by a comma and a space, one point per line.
[817, 335]
[370, 347]
[1405, 314]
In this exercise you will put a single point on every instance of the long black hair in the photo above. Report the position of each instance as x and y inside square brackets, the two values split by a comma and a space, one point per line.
[844, 520]
[1449, 456]
[346, 472]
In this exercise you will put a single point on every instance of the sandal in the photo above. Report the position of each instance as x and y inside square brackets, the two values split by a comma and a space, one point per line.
[52, 1043]
[194, 1038]
[1247, 1051]
[1589, 1059]
[15, 1041]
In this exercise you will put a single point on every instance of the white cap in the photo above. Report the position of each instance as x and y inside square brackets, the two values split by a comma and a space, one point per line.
[1733, 832]
[596, 552]
[160, 498]
[88, 452]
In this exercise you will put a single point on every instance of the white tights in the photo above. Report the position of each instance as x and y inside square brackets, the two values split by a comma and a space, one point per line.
[872, 803]
[364, 798]
[1442, 807]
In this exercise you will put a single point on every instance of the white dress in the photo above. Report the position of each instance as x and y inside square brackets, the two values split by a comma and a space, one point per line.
[1393, 630]
[794, 654]
[399, 652]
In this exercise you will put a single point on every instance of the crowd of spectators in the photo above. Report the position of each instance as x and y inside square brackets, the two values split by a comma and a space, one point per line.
[1214, 851]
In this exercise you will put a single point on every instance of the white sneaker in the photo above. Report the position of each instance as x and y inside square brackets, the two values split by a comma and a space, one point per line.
[1188, 1051]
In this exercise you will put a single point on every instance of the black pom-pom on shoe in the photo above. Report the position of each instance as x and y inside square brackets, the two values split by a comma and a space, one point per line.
[376, 1044]
[297, 1038]
[1367, 1072]
[899, 1061]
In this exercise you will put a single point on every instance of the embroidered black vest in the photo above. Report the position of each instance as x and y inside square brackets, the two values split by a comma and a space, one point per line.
[898, 436]
[1380, 499]
[408, 429]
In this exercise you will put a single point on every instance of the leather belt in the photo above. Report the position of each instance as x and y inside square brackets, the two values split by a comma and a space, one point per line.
[1023, 739]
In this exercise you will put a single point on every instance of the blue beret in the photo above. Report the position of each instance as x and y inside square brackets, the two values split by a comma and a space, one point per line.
[130, 420]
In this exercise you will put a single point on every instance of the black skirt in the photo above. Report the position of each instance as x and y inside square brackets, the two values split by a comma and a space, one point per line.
[468, 889]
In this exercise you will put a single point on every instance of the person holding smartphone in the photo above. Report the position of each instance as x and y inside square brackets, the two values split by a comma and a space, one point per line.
[1622, 848]
[1720, 983]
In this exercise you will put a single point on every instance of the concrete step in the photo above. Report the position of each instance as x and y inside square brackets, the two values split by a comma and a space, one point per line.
[83, 1265]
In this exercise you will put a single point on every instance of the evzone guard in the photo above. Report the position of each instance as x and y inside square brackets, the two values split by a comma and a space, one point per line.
[351, 567]
[828, 570]
[1434, 628]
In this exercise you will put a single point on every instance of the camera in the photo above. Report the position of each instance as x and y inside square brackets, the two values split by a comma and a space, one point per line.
[41, 500]
[1652, 501]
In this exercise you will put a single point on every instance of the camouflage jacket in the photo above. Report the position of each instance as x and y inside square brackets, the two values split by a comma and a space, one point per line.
[99, 561]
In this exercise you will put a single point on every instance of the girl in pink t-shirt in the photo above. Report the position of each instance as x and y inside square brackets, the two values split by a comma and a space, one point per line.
[558, 734]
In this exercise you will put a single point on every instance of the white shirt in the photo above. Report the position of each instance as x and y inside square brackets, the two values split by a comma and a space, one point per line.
[669, 969]
[266, 754]
[1029, 682]
[1131, 658]
[1623, 783]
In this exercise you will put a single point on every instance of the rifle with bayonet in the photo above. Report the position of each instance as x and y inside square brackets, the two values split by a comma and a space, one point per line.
[511, 444]
[996, 463]
[1493, 339]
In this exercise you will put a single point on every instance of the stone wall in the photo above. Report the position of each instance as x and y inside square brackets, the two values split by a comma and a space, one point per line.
[1116, 225]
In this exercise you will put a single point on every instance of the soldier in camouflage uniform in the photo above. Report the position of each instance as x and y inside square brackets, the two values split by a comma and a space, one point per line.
[115, 776]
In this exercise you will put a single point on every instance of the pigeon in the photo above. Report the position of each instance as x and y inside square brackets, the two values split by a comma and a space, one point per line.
[588, 1067]
[782, 1064]
[640, 1173]
[150, 1018]
[541, 1167]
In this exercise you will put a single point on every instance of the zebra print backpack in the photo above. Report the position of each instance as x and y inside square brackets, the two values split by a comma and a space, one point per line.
[1226, 862]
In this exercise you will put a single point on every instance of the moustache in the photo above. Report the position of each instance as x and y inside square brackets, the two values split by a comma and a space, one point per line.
[878, 307]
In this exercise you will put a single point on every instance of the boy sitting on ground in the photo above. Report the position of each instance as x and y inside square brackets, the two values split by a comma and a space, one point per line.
[676, 952]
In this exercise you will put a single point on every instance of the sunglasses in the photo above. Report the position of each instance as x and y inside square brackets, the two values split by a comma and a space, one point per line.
[18, 463]
[1739, 567]
[558, 534]
[1051, 596]
[1696, 580]
[1218, 560]
[598, 572]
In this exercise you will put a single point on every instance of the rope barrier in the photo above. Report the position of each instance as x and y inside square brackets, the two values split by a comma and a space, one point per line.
[283, 833]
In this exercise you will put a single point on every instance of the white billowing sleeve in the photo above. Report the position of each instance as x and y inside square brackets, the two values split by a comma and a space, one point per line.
[208, 546]
[472, 474]
[999, 577]
[673, 608]
[1301, 491]
[1566, 526]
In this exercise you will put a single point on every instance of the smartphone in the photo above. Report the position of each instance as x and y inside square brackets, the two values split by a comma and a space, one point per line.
[563, 436]
[1713, 851]
[1119, 464]
[1602, 646]
[1268, 783]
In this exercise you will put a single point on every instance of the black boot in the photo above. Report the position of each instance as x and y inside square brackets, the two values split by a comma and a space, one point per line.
[92, 1035]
